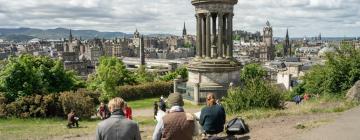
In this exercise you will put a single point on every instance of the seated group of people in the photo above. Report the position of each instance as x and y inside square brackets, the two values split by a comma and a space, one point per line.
[176, 124]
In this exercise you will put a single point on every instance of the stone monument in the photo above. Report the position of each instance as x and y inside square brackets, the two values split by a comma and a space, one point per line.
[213, 69]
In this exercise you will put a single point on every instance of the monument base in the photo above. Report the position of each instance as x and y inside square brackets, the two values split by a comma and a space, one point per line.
[211, 76]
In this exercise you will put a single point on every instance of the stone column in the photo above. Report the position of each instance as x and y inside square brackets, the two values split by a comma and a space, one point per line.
[203, 37]
[220, 35]
[229, 53]
[213, 44]
[198, 36]
[224, 38]
[208, 39]
[196, 93]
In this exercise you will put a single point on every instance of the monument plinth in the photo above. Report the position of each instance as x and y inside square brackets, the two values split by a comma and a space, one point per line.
[213, 68]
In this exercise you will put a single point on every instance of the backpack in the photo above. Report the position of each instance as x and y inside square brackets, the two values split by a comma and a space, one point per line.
[237, 126]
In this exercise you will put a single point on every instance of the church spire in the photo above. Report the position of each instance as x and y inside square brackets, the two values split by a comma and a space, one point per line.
[287, 46]
[70, 36]
[184, 31]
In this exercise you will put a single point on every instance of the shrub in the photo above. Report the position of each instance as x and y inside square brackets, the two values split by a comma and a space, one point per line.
[80, 101]
[257, 95]
[146, 90]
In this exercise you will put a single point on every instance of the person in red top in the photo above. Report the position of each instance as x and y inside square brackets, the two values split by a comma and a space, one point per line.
[127, 111]
[306, 97]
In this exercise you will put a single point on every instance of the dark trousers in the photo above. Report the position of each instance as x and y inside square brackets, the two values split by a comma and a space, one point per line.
[73, 124]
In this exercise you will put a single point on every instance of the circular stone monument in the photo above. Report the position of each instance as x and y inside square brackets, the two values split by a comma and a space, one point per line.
[214, 68]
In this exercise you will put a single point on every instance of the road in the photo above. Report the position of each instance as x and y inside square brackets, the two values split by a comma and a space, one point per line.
[345, 127]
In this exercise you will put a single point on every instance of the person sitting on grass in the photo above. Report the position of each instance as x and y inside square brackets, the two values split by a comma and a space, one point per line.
[72, 120]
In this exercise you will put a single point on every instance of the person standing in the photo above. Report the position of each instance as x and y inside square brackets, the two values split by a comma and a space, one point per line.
[127, 111]
[117, 127]
[176, 125]
[103, 111]
[212, 117]
[162, 104]
[156, 108]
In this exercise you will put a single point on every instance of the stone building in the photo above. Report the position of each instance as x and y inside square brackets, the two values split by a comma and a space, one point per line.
[267, 50]
[213, 69]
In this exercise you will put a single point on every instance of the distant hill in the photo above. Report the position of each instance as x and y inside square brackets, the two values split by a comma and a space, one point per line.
[23, 34]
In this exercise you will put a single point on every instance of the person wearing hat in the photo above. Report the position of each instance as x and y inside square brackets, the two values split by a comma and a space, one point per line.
[176, 125]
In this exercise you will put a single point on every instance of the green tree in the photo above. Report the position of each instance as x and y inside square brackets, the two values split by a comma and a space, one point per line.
[256, 92]
[340, 71]
[181, 71]
[279, 50]
[142, 76]
[110, 73]
[28, 75]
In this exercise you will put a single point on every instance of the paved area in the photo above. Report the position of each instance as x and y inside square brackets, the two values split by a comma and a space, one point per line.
[345, 127]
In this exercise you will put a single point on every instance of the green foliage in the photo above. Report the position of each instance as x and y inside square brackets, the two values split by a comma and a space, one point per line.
[279, 50]
[236, 37]
[27, 74]
[187, 45]
[340, 72]
[52, 105]
[181, 71]
[256, 92]
[110, 73]
[81, 102]
[252, 71]
[146, 90]
[142, 76]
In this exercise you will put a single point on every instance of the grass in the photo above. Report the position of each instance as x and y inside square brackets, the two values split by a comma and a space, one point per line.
[14, 128]
[149, 104]
[320, 105]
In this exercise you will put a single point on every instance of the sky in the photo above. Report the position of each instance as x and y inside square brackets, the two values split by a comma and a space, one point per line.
[331, 18]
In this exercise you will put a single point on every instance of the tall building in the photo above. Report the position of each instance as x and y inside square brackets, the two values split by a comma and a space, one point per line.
[287, 46]
[184, 31]
[267, 51]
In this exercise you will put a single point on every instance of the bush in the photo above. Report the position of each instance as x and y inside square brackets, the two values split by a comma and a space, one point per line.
[146, 90]
[80, 101]
[257, 95]
[52, 105]
[256, 92]
[32, 106]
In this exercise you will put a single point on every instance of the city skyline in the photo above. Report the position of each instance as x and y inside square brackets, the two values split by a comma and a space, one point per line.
[331, 18]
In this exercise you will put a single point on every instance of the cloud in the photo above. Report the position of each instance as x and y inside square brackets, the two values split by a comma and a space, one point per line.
[302, 17]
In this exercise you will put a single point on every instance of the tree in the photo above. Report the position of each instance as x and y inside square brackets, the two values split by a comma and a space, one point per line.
[340, 72]
[181, 71]
[110, 73]
[256, 92]
[28, 75]
[142, 76]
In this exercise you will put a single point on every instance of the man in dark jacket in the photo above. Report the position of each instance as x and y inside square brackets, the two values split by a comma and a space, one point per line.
[212, 117]
[117, 127]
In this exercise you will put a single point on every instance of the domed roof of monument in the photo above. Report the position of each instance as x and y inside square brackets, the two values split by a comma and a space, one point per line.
[196, 2]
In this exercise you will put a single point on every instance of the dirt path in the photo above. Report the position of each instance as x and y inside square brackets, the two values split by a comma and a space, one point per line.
[345, 127]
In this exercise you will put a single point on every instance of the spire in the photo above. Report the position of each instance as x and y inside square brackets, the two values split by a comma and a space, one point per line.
[287, 46]
[70, 36]
[184, 30]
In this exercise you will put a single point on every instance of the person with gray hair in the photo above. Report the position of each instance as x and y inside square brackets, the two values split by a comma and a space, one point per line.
[117, 127]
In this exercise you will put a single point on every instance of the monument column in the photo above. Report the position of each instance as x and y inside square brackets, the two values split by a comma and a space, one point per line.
[225, 35]
[213, 44]
[198, 36]
[208, 39]
[203, 37]
[220, 36]
[229, 53]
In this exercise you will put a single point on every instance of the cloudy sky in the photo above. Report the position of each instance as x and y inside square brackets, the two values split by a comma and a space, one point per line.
[302, 17]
